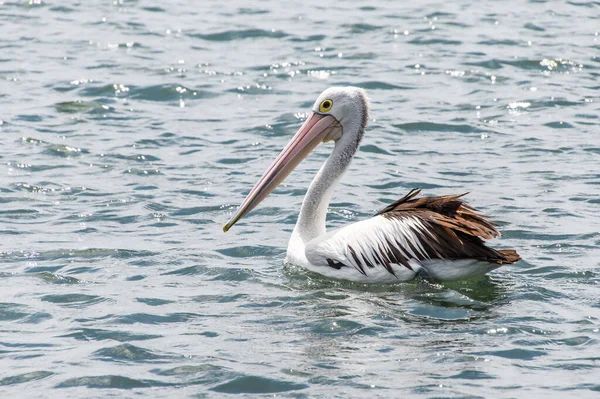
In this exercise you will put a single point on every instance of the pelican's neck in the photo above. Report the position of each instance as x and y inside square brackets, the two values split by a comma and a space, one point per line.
[352, 116]
[311, 221]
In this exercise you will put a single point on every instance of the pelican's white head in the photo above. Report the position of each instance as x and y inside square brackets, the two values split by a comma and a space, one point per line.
[348, 105]
[339, 114]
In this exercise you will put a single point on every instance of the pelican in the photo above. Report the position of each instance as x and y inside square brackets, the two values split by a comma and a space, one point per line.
[438, 238]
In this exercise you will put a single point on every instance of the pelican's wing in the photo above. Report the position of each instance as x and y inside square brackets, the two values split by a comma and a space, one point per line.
[408, 231]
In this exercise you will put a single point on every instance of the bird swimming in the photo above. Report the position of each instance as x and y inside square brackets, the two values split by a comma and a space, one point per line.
[439, 238]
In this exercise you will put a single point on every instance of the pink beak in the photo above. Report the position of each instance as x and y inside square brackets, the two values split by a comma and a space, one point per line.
[314, 130]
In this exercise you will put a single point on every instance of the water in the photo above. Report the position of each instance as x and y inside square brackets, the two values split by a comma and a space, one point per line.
[132, 130]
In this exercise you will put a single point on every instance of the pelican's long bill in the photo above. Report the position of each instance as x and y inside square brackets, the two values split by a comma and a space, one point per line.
[315, 129]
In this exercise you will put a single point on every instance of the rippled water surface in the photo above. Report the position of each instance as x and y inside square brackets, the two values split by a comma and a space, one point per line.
[131, 130]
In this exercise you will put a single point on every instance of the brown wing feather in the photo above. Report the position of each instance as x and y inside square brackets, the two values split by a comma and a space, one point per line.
[454, 230]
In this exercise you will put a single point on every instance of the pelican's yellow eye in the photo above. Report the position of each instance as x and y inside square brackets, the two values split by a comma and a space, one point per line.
[326, 106]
